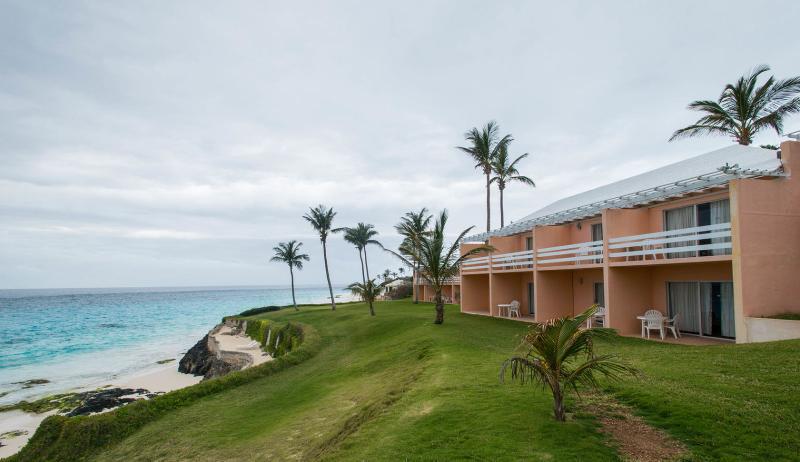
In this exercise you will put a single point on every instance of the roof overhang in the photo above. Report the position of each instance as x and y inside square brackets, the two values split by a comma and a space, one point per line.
[659, 193]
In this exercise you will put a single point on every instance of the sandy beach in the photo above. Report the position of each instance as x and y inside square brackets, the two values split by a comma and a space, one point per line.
[17, 427]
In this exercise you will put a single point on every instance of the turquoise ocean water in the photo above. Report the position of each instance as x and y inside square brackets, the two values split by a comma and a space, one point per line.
[86, 337]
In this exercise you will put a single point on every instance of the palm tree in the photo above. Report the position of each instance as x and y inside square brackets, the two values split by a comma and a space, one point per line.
[560, 355]
[321, 219]
[438, 261]
[360, 237]
[744, 108]
[412, 226]
[289, 253]
[505, 172]
[483, 147]
[368, 291]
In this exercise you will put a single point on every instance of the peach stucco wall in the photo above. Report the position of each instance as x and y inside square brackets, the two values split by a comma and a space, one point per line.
[554, 297]
[475, 293]
[766, 238]
[583, 288]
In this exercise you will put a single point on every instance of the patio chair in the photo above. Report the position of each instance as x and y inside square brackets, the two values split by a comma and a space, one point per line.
[654, 320]
[600, 315]
[514, 309]
[672, 324]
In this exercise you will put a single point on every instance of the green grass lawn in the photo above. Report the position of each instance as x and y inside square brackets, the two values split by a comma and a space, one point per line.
[398, 387]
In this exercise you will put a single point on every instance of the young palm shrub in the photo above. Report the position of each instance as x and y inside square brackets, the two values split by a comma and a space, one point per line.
[321, 219]
[506, 172]
[560, 356]
[289, 253]
[412, 226]
[438, 260]
[483, 148]
[368, 291]
[744, 108]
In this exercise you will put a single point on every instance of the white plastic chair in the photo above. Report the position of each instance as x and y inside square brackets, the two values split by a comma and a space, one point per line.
[672, 324]
[654, 320]
[514, 309]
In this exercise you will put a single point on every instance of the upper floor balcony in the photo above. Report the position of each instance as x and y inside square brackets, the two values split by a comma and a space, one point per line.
[686, 243]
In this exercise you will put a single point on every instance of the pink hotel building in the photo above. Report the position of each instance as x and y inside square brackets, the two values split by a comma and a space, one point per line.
[714, 239]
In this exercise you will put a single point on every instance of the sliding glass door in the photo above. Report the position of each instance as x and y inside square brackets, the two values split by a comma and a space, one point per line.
[704, 308]
[709, 213]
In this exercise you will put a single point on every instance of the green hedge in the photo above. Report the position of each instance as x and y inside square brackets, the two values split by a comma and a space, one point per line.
[62, 438]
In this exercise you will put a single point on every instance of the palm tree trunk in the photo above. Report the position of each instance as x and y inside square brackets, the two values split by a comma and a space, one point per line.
[558, 404]
[439, 307]
[488, 203]
[366, 262]
[414, 281]
[328, 275]
[294, 302]
[363, 278]
[502, 222]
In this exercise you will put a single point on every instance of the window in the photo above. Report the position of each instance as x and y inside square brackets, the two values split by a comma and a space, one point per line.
[708, 213]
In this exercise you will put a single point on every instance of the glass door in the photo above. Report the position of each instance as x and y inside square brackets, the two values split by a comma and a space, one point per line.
[704, 308]
[531, 300]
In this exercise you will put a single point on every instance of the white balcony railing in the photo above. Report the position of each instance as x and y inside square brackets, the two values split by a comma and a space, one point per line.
[454, 280]
[513, 260]
[581, 253]
[670, 244]
[475, 264]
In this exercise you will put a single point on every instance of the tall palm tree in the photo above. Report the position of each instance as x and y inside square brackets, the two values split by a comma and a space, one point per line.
[360, 236]
[289, 253]
[483, 147]
[744, 108]
[439, 261]
[368, 291]
[412, 226]
[560, 355]
[321, 219]
[505, 172]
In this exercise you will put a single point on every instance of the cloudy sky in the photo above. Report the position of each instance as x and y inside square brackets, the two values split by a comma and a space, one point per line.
[157, 143]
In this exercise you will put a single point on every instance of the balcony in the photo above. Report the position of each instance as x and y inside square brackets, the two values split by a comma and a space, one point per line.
[581, 254]
[680, 244]
[449, 281]
[522, 260]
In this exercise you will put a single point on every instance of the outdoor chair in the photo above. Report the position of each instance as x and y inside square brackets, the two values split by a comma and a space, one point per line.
[654, 320]
[672, 324]
[514, 309]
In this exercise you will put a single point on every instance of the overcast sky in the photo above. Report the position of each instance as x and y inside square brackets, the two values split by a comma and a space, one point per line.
[175, 143]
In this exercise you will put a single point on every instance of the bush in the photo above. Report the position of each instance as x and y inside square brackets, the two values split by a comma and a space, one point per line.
[263, 309]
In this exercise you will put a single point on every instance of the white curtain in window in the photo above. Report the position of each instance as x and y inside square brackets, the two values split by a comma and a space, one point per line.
[705, 308]
[683, 301]
[728, 324]
[681, 218]
[720, 213]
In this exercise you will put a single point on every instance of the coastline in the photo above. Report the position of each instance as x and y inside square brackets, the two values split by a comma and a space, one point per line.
[18, 426]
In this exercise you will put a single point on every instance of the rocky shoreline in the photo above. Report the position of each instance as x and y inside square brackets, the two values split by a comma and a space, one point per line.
[224, 349]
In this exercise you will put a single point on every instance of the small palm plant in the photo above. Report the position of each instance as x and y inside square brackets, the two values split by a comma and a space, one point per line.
[560, 356]
[368, 291]
[437, 260]
[412, 226]
[484, 144]
[506, 172]
[289, 253]
[321, 219]
[744, 108]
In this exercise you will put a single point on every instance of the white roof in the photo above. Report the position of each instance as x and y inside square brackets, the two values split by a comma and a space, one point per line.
[713, 168]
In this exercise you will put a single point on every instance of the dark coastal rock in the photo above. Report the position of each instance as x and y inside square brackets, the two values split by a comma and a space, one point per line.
[206, 359]
[32, 382]
[199, 359]
[99, 400]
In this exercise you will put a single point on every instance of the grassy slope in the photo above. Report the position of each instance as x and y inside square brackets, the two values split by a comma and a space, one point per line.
[398, 387]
